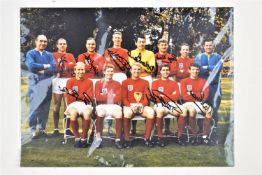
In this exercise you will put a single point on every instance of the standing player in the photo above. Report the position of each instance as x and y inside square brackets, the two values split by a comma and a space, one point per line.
[147, 61]
[79, 95]
[195, 93]
[183, 63]
[210, 68]
[143, 57]
[90, 58]
[65, 65]
[166, 93]
[42, 67]
[134, 95]
[162, 57]
[118, 57]
[108, 97]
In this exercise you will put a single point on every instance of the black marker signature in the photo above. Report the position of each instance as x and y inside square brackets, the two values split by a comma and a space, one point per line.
[139, 60]
[154, 97]
[170, 59]
[201, 100]
[86, 99]
[117, 58]
[91, 62]
[61, 63]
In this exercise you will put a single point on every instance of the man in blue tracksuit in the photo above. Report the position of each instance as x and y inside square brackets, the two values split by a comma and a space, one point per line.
[41, 66]
[211, 66]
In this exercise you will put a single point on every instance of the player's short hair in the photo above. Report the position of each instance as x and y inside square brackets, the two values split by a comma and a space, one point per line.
[39, 36]
[90, 38]
[164, 65]
[60, 39]
[207, 40]
[79, 64]
[117, 33]
[184, 44]
[136, 64]
[162, 41]
[194, 65]
[139, 36]
[107, 66]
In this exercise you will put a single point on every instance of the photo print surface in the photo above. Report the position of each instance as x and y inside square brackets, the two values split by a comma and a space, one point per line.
[127, 87]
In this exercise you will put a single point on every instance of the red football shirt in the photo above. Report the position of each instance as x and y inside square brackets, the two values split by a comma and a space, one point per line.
[130, 86]
[198, 87]
[83, 90]
[104, 91]
[65, 64]
[165, 59]
[182, 67]
[168, 89]
[117, 57]
[91, 63]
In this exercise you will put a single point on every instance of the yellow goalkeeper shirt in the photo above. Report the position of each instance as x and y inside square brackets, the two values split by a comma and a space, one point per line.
[145, 58]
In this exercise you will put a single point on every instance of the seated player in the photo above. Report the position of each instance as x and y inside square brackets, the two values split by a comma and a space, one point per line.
[195, 94]
[147, 61]
[65, 65]
[163, 57]
[79, 95]
[134, 95]
[166, 93]
[118, 57]
[91, 59]
[143, 57]
[108, 97]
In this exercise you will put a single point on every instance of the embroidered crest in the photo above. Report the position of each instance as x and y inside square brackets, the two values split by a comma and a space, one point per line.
[189, 87]
[159, 62]
[75, 88]
[161, 89]
[181, 65]
[130, 87]
[104, 91]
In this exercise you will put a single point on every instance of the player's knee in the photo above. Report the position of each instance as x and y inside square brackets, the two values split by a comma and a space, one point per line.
[100, 113]
[117, 114]
[149, 112]
[128, 113]
[73, 112]
[191, 110]
[160, 111]
[87, 113]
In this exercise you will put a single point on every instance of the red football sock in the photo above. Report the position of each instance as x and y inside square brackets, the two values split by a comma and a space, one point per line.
[118, 127]
[192, 124]
[85, 127]
[181, 125]
[149, 126]
[74, 124]
[56, 119]
[127, 126]
[159, 127]
[99, 125]
[206, 125]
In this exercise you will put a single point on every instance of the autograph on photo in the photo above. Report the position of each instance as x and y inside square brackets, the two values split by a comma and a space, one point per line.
[117, 58]
[139, 60]
[205, 106]
[154, 97]
[74, 93]
[91, 62]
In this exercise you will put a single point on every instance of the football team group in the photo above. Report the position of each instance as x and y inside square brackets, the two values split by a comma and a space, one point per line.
[123, 84]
